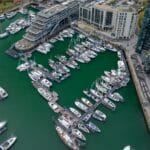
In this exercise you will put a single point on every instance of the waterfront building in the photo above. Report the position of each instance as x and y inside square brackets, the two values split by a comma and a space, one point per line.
[119, 21]
[48, 22]
[99, 15]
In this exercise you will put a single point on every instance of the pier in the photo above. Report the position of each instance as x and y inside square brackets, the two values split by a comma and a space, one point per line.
[90, 110]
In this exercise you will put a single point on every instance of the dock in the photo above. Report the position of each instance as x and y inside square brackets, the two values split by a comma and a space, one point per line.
[91, 110]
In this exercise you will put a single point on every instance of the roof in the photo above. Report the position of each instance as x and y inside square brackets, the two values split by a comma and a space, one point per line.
[50, 11]
[104, 7]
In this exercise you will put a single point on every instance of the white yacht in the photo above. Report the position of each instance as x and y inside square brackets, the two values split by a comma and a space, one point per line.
[46, 82]
[33, 77]
[83, 128]
[119, 54]
[3, 93]
[75, 112]
[2, 16]
[11, 14]
[81, 36]
[91, 54]
[23, 66]
[64, 122]
[95, 49]
[3, 126]
[69, 64]
[8, 143]
[23, 11]
[106, 86]
[49, 96]
[101, 88]
[59, 37]
[90, 95]
[116, 97]
[81, 106]
[4, 34]
[128, 147]
[86, 102]
[54, 107]
[102, 49]
[74, 63]
[96, 93]
[44, 48]
[106, 79]
[93, 127]
[52, 40]
[107, 73]
[121, 65]
[71, 52]
[113, 97]
[109, 104]
[22, 23]
[79, 59]
[85, 57]
[99, 115]
[111, 48]
[78, 134]
[67, 139]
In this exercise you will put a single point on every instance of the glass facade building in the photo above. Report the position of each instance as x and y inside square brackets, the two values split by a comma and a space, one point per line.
[102, 18]
[143, 45]
[144, 36]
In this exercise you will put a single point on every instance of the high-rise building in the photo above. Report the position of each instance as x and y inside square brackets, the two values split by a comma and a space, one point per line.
[146, 60]
[144, 36]
[143, 45]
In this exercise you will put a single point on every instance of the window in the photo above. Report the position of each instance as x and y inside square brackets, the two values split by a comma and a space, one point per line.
[108, 20]
[97, 16]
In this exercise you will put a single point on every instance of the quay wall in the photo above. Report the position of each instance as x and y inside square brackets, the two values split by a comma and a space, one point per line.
[144, 104]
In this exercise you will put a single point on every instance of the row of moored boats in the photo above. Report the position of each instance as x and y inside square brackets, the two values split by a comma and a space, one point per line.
[73, 121]
[18, 24]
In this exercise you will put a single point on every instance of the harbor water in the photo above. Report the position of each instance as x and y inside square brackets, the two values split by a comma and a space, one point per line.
[32, 121]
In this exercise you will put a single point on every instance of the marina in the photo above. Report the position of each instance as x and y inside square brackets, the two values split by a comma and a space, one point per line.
[38, 80]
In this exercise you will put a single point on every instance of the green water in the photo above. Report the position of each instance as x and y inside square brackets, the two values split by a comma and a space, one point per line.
[30, 118]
